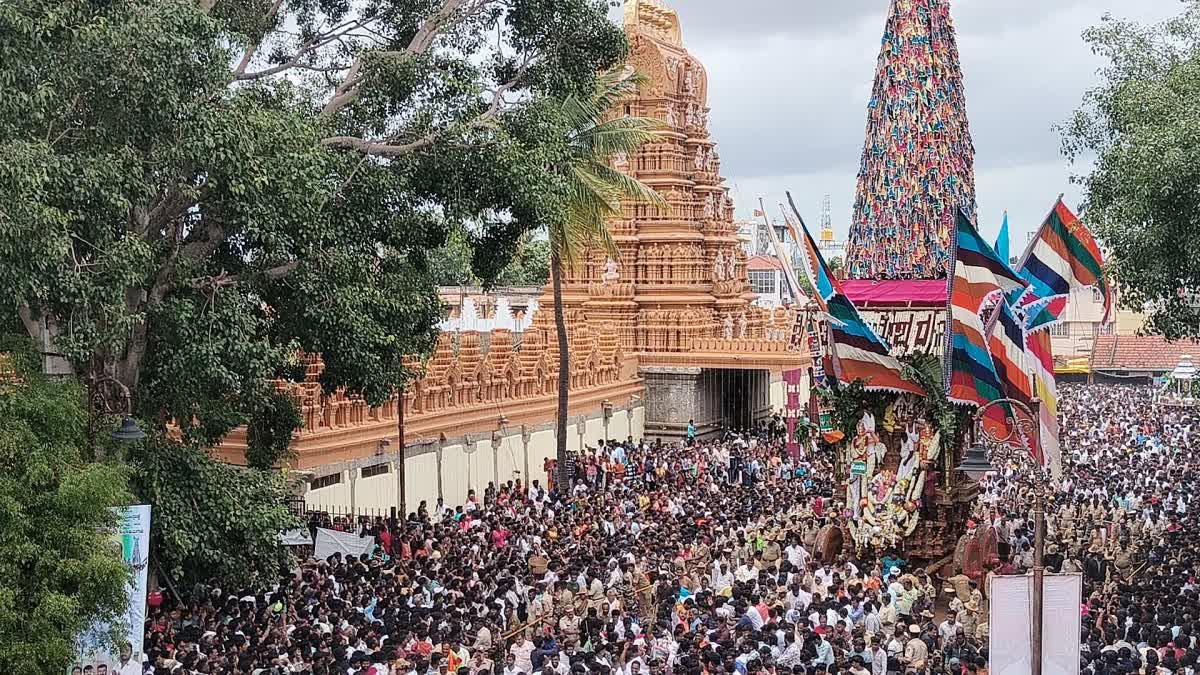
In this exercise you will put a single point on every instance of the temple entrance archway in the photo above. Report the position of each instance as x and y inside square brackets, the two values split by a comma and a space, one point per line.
[716, 399]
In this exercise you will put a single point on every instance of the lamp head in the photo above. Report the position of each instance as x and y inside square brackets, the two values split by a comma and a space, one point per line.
[129, 431]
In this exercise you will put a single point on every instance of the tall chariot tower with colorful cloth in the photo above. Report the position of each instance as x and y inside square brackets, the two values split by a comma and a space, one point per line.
[918, 161]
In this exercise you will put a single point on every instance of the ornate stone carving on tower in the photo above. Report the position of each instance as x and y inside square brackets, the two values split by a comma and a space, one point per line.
[682, 273]
[677, 291]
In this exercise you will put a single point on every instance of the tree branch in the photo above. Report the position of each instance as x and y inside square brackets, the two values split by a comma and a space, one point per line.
[443, 18]
[214, 234]
[32, 325]
[277, 273]
[253, 47]
[305, 49]
[390, 148]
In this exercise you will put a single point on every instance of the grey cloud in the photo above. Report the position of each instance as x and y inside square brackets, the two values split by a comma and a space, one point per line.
[789, 82]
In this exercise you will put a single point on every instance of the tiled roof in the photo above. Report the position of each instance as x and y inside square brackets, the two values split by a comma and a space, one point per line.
[763, 263]
[1140, 352]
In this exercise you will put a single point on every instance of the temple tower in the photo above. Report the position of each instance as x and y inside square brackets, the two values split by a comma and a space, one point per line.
[918, 161]
[680, 274]
[678, 292]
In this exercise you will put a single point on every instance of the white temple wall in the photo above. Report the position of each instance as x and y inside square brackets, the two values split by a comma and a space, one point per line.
[447, 469]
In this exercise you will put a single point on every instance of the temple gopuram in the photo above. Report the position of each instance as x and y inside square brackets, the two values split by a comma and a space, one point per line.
[664, 333]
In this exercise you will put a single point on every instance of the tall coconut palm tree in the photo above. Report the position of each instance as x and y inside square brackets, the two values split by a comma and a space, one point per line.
[594, 194]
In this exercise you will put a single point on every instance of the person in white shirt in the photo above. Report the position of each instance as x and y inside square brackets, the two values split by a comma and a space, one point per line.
[797, 555]
[754, 617]
[510, 664]
[722, 578]
[798, 597]
[746, 572]
[879, 658]
[948, 629]
[126, 665]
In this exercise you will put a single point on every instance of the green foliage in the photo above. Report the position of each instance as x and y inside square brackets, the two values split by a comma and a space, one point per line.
[212, 520]
[806, 286]
[452, 264]
[942, 415]
[191, 195]
[529, 267]
[58, 572]
[848, 402]
[593, 189]
[269, 433]
[193, 191]
[1141, 126]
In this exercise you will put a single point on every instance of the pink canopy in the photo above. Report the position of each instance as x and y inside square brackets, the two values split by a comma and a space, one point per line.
[896, 293]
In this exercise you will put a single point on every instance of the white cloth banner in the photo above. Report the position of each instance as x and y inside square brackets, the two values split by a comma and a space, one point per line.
[1011, 620]
[298, 537]
[131, 538]
[329, 542]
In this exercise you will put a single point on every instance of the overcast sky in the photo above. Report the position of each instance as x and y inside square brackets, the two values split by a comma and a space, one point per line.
[789, 82]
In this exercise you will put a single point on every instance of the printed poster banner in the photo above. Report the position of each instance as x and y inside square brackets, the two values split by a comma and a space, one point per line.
[909, 331]
[1010, 621]
[132, 536]
[794, 380]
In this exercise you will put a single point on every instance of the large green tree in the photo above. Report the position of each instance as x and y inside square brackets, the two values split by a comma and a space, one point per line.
[530, 266]
[58, 572]
[1142, 128]
[194, 191]
[590, 138]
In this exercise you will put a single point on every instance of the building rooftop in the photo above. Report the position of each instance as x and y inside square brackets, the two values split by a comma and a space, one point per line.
[763, 263]
[1140, 352]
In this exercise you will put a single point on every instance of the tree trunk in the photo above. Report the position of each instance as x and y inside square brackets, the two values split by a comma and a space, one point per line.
[561, 479]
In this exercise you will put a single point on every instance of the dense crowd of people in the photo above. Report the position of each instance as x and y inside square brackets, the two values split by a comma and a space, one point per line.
[719, 557]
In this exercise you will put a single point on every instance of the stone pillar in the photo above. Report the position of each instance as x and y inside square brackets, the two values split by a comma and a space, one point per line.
[441, 443]
[497, 442]
[353, 476]
[469, 449]
[526, 437]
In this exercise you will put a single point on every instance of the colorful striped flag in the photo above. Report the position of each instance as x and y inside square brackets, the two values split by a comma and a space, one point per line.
[1006, 345]
[1041, 363]
[858, 353]
[978, 276]
[1062, 257]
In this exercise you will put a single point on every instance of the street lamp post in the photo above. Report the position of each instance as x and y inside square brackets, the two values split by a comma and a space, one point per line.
[976, 464]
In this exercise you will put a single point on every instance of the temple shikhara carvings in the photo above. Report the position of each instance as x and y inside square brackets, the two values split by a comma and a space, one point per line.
[679, 281]
[666, 327]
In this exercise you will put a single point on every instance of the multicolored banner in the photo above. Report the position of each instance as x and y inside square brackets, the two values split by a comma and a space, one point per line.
[1041, 363]
[978, 276]
[858, 353]
[95, 652]
[917, 162]
[1006, 342]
